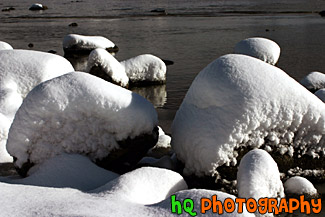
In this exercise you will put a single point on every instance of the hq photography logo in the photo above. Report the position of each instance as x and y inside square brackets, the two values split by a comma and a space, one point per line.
[263, 205]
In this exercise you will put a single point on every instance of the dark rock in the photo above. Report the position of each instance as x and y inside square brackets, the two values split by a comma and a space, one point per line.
[7, 169]
[131, 151]
[121, 160]
[267, 30]
[168, 62]
[8, 9]
[73, 24]
[77, 51]
[322, 13]
[158, 10]
[30, 45]
[52, 51]
[38, 7]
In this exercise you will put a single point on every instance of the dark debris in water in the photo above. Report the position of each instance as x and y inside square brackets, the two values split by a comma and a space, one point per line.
[8, 9]
[73, 24]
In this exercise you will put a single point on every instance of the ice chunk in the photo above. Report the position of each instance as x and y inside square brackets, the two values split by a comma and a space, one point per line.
[77, 113]
[239, 101]
[20, 71]
[261, 48]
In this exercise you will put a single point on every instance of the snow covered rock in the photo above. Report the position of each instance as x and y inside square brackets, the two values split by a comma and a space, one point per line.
[5, 46]
[145, 69]
[102, 64]
[147, 185]
[314, 81]
[37, 7]
[321, 94]
[241, 102]
[80, 113]
[196, 195]
[80, 44]
[261, 48]
[20, 71]
[296, 186]
[67, 171]
[258, 176]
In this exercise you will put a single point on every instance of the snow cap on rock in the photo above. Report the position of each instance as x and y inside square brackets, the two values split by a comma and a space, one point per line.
[261, 48]
[237, 101]
[77, 113]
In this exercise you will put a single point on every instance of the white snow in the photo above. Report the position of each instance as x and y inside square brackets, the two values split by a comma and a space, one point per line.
[77, 113]
[5, 46]
[106, 62]
[147, 185]
[321, 94]
[67, 171]
[164, 140]
[121, 197]
[299, 185]
[196, 195]
[261, 48]
[145, 67]
[314, 81]
[258, 176]
[237, 101]
[20, 71]
[82, 42]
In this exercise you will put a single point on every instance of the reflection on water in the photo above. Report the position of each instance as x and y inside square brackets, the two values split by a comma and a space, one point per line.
[157, 94]
[79, 62]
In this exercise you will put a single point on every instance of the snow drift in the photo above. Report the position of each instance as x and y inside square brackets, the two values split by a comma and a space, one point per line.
[240, 101]
[20, 71]
[77, 113]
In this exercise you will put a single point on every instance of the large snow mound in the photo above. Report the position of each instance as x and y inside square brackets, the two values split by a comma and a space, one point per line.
[261, 48]
[238, 101]
[112, 69]
[147, 185]
[299, 185]
[82, 42]
[124, 196]
[258, 176]
[5, 46]
[145, 68]
[67, 171]
[314, 81]
[195, 195]
[20, 71]
[321, 94]
[77, 113]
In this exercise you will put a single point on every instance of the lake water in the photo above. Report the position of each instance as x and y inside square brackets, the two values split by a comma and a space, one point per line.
[190, 33]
